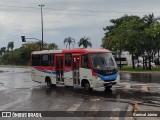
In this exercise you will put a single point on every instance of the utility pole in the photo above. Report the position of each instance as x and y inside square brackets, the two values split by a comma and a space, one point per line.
[42, 23]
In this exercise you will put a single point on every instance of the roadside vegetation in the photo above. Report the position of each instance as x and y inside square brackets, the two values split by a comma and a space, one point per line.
[139, 36]
[21, 56]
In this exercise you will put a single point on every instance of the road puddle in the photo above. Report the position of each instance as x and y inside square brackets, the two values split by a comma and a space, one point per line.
[140, 77]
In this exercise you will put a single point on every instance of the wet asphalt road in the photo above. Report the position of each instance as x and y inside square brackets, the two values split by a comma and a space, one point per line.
[19, 93]
[141, 77]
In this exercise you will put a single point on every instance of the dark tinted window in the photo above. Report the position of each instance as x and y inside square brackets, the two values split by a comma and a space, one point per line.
[68, 60]
[45, 60]
[122, 59]
[51, 60]
[36, 60]
[85, 62]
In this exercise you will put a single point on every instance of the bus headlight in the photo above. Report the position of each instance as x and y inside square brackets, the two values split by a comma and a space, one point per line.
[99, 78]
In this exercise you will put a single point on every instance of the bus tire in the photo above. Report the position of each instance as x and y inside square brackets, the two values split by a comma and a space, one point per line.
[49, 82]
[108, 87]
[87, 86]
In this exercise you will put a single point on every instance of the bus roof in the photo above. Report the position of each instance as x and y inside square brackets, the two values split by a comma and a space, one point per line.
[82, 50]
[76, 50]
[47, 51]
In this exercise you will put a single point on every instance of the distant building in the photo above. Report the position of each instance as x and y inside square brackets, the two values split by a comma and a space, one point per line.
[125, 55]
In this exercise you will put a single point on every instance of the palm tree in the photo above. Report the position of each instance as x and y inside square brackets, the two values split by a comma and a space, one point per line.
[150, 19]
[69, 41]
[10, 46]
[3, 49]
[52, 46]
[85, 42]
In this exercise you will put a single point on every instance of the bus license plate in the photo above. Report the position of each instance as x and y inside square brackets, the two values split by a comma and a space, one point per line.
[109, 84]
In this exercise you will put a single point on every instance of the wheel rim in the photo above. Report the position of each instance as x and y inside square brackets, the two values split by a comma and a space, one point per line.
[48, 83]
[87, 86]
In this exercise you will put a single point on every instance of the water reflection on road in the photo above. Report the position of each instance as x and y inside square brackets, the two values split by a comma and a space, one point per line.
[15, 79]
[140, 77]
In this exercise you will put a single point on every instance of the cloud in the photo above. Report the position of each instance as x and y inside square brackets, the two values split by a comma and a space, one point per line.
[63, 18]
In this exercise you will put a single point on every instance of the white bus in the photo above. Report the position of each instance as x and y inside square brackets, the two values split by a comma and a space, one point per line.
[88, 68]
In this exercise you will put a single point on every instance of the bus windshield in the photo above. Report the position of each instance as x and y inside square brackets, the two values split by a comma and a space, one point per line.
[103, 61]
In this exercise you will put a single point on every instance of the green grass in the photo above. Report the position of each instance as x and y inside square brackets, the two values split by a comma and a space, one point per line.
[129, 68]
[15, 66]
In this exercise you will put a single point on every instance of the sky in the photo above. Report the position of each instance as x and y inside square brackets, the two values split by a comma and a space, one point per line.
[64, 18]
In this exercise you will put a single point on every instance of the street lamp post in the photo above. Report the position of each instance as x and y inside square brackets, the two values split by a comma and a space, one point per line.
[42, 22]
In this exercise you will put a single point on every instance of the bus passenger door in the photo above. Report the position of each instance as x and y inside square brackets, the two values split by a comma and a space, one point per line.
[76, 64]
[59, 69]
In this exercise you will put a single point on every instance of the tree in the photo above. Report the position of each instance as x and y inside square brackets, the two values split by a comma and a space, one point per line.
[22, 55]
[52, 46]
[124, 34]
[32, 46]
[85, 42]
[69, 41]
[139, 36]
[3, 49]
[132, 30]
[10, 46]
[151, 31]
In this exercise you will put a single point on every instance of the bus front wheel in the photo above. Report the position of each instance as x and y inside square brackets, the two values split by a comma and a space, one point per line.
[108, 87]
[87, 86]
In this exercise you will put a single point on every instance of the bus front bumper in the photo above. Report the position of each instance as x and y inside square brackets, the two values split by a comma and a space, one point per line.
[100, 83]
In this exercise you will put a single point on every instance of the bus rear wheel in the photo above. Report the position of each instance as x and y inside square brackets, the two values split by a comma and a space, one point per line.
[49, 82]
[87, 86]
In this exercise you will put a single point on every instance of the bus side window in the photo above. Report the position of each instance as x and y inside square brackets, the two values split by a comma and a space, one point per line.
[85, 62]
[45, 60]
[36, 60]
[51, 60]
[68, 60]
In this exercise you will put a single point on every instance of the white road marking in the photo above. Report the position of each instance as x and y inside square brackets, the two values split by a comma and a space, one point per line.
[115, 110]
[94, 99]
[20, 100]
[114, 118]
[127, 86]
[74, 107]
[144, 88]
[55, 107]
[95, 107]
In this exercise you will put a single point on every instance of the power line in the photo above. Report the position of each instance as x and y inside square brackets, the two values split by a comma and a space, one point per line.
[66, 14]
[91, 11]
[7, 10]
[19, 6]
